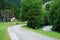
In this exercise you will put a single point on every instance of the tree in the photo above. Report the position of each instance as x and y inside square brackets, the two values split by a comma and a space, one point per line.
[55, 15]
[45, 9]
[16, 7]
[44, 1]
[31, 11]
[7, 8]
[2, 3]
[17, 12]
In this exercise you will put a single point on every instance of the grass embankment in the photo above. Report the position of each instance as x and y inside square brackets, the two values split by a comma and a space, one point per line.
[51, 34]
[3, 30]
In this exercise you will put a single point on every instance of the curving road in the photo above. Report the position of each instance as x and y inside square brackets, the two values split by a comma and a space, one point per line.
[18, 33]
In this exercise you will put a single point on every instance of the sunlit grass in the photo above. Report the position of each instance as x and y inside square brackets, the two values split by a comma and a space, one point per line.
[3, 30]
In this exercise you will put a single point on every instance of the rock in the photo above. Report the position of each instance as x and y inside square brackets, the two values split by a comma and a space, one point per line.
[47, 28]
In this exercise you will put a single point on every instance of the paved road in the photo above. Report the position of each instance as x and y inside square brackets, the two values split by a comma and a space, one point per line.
[18, 33]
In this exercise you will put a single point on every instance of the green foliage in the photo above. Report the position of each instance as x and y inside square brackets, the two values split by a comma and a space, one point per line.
[47, 7]
[45, 12]
[44, 1]
[55, 14]
[31, 11]
[3, 3]
[46, 18]
[16, 10]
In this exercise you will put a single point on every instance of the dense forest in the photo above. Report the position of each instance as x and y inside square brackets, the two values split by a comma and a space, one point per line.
[32, 12]
[8, 9]
[37, 17]
[16, 2]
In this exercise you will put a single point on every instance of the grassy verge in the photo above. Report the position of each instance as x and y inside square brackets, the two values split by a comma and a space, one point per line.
[51, 34]
[3, 30]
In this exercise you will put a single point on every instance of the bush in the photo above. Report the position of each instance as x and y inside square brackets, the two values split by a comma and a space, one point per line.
[55, 15]
[31, 11]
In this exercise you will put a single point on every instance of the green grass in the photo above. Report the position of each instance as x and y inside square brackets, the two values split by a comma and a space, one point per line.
[3, 30]
[50, 34]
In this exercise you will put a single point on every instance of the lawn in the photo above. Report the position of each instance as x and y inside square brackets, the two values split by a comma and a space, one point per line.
[50, 34]
[3, 30]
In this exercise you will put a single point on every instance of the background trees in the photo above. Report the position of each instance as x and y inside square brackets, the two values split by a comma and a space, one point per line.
[34, 12]
[55, 15]
[2, 3]
[8, 9]
[44, 1]
[16, 7]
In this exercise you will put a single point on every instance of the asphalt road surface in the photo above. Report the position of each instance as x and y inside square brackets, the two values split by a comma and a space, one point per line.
[19, 33]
